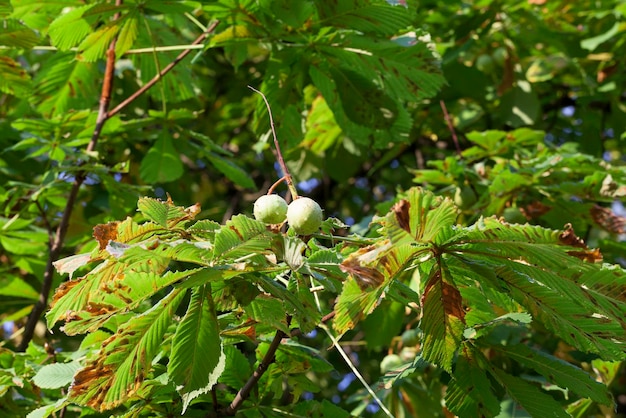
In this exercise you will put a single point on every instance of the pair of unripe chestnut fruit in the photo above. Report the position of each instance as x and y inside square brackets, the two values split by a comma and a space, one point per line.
[304, 215]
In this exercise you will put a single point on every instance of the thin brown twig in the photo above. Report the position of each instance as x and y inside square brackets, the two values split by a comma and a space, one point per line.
[161, 73]
[56, 244]
[268, 359]
[446, 115]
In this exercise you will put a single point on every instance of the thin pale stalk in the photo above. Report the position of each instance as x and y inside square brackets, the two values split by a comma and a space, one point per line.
[279, 155]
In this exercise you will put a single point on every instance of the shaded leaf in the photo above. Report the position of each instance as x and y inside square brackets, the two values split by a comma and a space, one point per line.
[469, 393]
[15, 34]
[162, 163]
[64, 84]
[533, 400]
[231, 170]
[559, 372]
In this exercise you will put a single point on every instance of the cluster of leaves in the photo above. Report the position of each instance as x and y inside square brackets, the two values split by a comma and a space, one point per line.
[167, 301]
[176, 311]
[521, 177]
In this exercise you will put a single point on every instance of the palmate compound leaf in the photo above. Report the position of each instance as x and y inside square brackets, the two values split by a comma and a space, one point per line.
[378, 17]
[470, 393]
[75, 295]
[120, 367]
[63, 84]
[552, 275]
[197, 358]
[411, 226]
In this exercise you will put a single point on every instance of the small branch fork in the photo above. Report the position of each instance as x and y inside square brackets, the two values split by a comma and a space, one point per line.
[448, 119]
[55, 245]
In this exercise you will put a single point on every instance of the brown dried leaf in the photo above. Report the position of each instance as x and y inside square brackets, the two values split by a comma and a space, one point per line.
[451, 296]
[568, 237]
[371, 265]
[401, 211]
[535, 209]
[606, 219]
[104, 233]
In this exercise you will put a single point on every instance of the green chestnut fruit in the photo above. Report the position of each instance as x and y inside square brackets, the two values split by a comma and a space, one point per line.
[411, 337]
[485, 63]
[304, 215]
[464, 197]
[500, 55]
[390, 362]
[271, 209]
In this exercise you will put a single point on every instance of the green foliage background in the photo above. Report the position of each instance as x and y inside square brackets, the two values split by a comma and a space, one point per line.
[363, 94]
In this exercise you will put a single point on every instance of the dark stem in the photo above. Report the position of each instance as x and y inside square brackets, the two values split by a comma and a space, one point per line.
[160, 75]
[56, 244]
[450, 126]
[268, 359]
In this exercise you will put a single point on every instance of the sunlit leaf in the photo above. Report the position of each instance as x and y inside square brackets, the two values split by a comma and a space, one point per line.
[443, 318]
[124, 360]
[240, 237]
[56, 375]
[545, 271]
[419, 218]
[197, 358]
[370, 270]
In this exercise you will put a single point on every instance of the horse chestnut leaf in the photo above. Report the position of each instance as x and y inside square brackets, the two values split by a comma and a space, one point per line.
[304, 216]
[271, 209]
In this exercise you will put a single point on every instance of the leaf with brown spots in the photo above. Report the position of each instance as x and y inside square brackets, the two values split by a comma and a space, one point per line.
[370, 270]
[120, 367]
[419, 218]
[606, 219]
[443, 318]
[104, 233]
